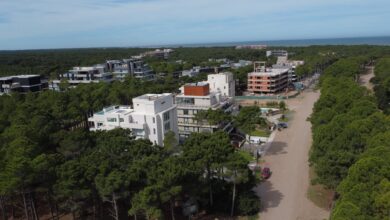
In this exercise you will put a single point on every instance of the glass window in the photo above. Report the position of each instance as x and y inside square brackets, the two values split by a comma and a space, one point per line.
[154, 120]
[121, 119]
[167, 126]
[188, 101]
[185, 111]
[111, 119]
[166, 116]
[154, 131]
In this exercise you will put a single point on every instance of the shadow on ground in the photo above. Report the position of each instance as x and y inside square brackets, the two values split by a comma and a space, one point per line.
[270, 197]
[277, 147]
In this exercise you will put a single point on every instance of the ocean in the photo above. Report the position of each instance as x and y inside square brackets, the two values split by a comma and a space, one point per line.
[304, 42]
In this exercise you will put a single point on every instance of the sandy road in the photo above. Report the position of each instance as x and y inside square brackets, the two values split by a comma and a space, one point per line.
[364, 79]
[284, 195]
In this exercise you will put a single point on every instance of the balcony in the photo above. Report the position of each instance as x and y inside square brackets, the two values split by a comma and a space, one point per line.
[133, 125]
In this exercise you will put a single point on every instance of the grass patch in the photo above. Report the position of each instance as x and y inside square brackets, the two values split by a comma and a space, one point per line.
[251, 217]
[285, 119]
[318, 194]
[260, 133]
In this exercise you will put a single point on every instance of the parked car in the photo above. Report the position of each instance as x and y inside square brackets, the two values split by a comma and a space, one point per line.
[266, 173]
[282, 125]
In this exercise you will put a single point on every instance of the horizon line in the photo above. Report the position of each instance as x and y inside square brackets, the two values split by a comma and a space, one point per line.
[222, 44]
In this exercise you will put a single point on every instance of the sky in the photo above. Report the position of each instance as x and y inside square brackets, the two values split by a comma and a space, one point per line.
[40, 24]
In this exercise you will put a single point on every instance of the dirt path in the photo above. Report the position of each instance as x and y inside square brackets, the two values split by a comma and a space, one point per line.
[364, 79]
[284, 195]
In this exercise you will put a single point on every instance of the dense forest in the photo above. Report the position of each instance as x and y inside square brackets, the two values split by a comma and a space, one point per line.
[382, 84]
[50, 164]
[49, 161]
[351, 143]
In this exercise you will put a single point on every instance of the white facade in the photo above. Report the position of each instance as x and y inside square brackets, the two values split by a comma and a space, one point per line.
[222, 83]
[82, 75]
[151, 117]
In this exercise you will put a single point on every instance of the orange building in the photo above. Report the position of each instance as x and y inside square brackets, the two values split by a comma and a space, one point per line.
[267, 81]
[197, 89]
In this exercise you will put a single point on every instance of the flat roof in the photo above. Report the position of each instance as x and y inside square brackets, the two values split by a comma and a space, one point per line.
[18, 76]
[152, 97]
[117, 109]
[198, 96]
[269, 72]
[197, 84]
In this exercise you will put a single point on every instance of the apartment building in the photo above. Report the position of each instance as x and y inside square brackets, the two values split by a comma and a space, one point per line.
[158, 53]
[134, 67]
[277, 53]
[82, 75]
[223, 83]
[22, 84]
[267, 80]
[254, 47]
[194, 98]
[151, 117]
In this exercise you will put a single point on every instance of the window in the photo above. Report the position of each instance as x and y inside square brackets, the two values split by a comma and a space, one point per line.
[99, 124]
[166, 116]
[154, 120]
[185, 111]
[154, 131]
[186, 128]
[185, 101]
[111, 119]
[121, 119]
[167, 126]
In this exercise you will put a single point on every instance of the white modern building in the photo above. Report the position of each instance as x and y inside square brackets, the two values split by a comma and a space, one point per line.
[241, 63]
[151, 117]
[223, 83]
[196, 97]
[277, 53]
[82, 75]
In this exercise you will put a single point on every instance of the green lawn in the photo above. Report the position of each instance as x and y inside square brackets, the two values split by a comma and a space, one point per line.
[260, 133]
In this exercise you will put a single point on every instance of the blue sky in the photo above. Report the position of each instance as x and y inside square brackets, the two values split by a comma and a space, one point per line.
[27, 24]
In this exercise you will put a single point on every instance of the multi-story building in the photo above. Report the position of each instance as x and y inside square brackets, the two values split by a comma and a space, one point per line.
[222, 82]
[134, 67]
[81, 75]
[291, 65]
[151, 117]
[196, 97]
[163, 53]
[22, 84]
[255, 47]
[139, 69]
[267, 80]
[277, 53]
[241, 63]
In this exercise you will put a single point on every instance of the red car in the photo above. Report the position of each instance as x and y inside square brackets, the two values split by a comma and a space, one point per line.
[265, 173]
